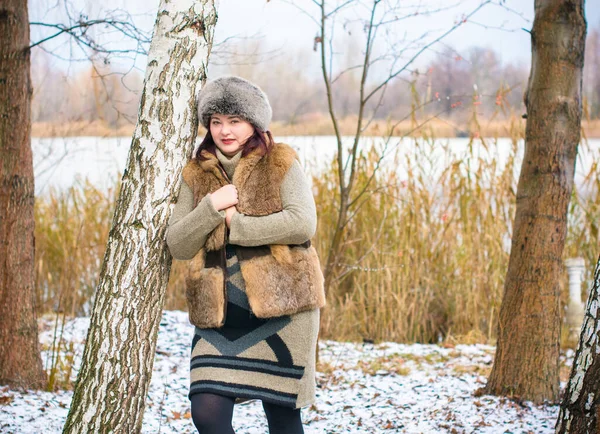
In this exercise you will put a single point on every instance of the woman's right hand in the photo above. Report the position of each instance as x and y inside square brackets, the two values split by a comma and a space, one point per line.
[224, 197]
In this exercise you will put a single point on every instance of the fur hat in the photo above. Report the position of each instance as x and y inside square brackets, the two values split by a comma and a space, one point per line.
[231, 95]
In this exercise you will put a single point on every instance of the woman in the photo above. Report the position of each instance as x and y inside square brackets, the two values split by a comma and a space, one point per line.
[244, 218]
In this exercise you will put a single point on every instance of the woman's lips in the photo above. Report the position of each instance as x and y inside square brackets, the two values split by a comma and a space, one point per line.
[228, 141]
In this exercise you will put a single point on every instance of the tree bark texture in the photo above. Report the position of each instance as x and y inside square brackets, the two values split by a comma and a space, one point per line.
[580, 408]
[20, 361]
[117, 361]
[526, 361]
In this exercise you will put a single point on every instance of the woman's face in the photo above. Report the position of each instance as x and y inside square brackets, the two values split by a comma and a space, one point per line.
[230, 133]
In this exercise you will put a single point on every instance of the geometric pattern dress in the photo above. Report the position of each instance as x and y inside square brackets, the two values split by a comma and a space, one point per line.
[252, 358]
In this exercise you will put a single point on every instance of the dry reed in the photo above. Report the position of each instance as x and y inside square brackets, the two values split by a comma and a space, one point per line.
[309, 125]
[424, 258]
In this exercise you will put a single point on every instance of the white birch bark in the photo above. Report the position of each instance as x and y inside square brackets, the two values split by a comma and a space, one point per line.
[579, 411]
[119, 353]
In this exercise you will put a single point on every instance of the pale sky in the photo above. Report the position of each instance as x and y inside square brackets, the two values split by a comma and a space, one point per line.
[281, 26]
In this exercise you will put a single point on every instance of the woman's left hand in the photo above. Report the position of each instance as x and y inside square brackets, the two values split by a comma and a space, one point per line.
[229, 212]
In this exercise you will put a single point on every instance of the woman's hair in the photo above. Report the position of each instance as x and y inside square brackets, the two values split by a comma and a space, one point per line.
[263, 140]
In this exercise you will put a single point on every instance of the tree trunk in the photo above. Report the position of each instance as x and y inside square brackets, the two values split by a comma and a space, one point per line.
[20, 361]
[526, 361]
[580, 408]
[119, 353]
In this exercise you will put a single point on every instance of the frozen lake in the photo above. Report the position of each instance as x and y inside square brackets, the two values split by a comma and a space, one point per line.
[58, 162]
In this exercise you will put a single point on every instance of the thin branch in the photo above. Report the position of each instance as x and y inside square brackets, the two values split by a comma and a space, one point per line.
[503, 5]
[303, 11]
[330, 97]
[384, 153]
[377, 166]
[414, 14]
[501, 28]
[123, 27]
[368, 251]
[362, 100]
[415, 56]
[343, 5]
[331, 52]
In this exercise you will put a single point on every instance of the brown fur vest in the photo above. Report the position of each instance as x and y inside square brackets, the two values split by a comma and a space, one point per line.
[279, 279]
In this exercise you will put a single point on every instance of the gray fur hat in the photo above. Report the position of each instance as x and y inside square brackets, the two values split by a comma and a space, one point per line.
[231, 95]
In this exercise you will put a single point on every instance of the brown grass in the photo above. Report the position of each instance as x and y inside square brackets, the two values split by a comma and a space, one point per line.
[81, 128]
[424, 258]
[315, 125]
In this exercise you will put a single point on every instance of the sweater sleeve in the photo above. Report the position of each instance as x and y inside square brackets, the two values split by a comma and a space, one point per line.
[295, 224]
[189, 227]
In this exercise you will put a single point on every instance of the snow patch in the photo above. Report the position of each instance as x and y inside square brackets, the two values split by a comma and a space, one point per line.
[361, 388]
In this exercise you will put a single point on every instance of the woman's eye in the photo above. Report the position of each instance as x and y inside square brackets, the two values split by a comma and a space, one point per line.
[235, 121]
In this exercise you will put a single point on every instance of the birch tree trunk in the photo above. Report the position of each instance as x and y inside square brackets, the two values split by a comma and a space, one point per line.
[580, 408]
[526, 361]
[20, 361]
[117, 361]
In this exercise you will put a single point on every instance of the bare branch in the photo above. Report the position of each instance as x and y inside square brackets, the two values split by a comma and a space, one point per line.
[501, 28]
[503, 5]
[340, 7]
[329, 94]
[304, 11]
[390, 134]
[368, 251]
[363, 81]
[414, 14]
[80, 28]
[416, 55]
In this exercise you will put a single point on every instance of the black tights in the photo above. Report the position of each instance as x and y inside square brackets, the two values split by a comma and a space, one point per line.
[212, 414]
[283, 420]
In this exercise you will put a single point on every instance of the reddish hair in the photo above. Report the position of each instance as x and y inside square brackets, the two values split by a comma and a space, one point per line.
[261, 140]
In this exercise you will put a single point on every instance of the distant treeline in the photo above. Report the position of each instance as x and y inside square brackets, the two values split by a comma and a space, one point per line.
[450, 86]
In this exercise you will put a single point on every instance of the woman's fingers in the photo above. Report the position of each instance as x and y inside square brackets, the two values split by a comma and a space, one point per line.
[231, 194]
[225, 197]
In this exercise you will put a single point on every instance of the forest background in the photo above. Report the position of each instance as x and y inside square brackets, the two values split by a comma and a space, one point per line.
[79, 92]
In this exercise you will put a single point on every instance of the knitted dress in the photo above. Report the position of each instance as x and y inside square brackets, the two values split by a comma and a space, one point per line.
[251, 358]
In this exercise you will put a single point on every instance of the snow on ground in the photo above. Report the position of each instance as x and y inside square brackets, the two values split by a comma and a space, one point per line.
[362, 388]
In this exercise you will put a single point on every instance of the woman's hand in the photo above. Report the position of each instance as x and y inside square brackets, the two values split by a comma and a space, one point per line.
[229, 212]
[224, 197]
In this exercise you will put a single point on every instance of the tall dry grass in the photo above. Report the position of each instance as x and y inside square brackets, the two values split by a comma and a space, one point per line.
[427, 253]
[424, 260]
[71, 232]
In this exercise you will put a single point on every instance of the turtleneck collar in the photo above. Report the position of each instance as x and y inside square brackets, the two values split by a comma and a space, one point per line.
[228, 163]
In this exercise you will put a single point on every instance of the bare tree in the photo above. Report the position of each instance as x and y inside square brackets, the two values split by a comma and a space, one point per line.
[579, 410]
[119, 353]
[526, 360]
[20, 361]
[396, 59]
[109, 40]
[451, 77]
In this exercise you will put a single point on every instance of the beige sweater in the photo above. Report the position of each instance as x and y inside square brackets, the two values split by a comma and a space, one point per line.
[189, 227]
